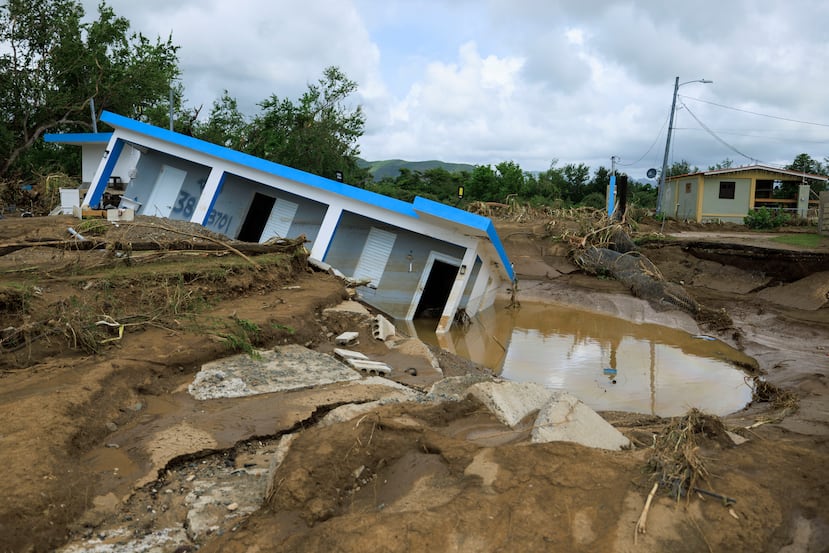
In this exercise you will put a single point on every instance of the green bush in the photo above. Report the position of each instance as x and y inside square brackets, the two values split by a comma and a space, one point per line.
[765, 218]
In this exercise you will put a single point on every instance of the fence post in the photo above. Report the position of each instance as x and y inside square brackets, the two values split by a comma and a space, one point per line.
[823, 214]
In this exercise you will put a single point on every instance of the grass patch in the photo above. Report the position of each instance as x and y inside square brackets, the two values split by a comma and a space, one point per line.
[243, 337]
[803, 240]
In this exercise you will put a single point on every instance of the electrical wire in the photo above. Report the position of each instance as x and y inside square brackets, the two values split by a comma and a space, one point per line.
[649, 148]
[717, 137]
[756, 113]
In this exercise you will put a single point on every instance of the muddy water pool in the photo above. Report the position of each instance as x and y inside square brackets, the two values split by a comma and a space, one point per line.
[609, 363]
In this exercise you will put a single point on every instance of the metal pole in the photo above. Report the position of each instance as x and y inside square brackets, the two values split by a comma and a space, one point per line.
[171, 104]
[92, 111]
[667, 149]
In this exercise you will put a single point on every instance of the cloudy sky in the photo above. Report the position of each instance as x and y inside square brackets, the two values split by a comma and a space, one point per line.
[529, 81]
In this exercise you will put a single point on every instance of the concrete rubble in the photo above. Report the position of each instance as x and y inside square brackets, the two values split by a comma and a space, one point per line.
[360, 362]
[565, 418]
[561, 416]
[283, 368]
[511, 402]
[224, 496]
[165, 539]
[382, 329]
[219, 496]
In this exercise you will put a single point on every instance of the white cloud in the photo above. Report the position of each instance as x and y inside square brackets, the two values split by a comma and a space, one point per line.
[528, 80]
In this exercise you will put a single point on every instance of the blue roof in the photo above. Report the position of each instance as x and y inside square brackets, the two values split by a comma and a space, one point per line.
[438, 210]
[78, 138]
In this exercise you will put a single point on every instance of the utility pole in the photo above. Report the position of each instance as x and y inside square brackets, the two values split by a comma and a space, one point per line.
[664, 173]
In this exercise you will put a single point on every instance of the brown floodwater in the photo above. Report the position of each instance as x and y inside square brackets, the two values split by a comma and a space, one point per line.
[609, 363]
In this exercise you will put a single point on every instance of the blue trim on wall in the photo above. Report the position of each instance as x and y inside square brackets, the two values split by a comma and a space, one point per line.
[215, 197]
[253, 162]
[333, 235]
[100, 186]
[423, 205]
[78, 138]
[467, 219]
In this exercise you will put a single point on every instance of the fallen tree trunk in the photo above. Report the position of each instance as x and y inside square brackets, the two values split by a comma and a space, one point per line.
[282, 246]
[646, 282]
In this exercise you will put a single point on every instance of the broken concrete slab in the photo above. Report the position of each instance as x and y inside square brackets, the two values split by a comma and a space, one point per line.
[349, 306]
[123, 541]
[399, 393]
[283, 368]
[565, 418]
[348, 412]
[348, 339]
[228, 495]
[509, 401]
[736, 438]
[345, 354]
[382, 329]
[369, 367]
[454, 388]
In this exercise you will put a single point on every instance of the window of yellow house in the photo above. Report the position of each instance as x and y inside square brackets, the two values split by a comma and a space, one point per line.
[687, 187]
[727, 190]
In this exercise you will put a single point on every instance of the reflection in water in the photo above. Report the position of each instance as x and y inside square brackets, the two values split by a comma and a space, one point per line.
[608, 363]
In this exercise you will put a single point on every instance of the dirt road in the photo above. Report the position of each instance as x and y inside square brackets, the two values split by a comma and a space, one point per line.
[105, 450]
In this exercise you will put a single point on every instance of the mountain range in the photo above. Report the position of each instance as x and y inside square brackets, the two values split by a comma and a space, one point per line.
[390, 168]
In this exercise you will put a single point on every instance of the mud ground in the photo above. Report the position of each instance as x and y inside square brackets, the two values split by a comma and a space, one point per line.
[104, 450]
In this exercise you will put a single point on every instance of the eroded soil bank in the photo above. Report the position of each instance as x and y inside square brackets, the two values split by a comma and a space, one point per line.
[265, 473]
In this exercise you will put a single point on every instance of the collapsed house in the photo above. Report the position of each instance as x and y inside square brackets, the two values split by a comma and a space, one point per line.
[413, 259]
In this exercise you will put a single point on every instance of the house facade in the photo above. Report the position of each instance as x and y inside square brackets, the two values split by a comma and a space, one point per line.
[728, 195]
[415, 259]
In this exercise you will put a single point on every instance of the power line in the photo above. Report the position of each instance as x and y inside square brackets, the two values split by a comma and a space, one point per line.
[756, 113]
[762, 136]
[649, 149]
[717, 137]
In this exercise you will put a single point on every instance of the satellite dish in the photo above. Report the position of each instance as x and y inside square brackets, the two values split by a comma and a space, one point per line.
[651, 173]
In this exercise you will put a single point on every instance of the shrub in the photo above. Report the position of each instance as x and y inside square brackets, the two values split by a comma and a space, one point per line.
[765, 218]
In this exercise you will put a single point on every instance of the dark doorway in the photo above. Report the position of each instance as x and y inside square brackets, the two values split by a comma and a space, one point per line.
[436, 292]
[257, 217]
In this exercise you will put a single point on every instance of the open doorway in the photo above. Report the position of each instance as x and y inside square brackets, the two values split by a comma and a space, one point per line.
[436, 291]
[257, 217]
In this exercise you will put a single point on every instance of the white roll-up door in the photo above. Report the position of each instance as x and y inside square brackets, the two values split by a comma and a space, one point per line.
[375, 255]
[280, 220]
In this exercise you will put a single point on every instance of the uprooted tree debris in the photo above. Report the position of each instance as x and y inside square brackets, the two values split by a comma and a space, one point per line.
[166, 271]
[610, 251]
[173, 239]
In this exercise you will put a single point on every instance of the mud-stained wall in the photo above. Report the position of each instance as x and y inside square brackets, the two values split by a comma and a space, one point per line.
[235, 200]
[148, 169]
[404, 268]
[823, 214]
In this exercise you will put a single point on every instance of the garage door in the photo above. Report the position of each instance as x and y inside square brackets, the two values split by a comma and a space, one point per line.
[375, 255]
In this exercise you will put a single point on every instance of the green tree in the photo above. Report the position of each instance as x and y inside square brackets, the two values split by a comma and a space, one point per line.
[549, 185]
[225, 126]
[642, 194]
[805, 164]
[600, 181]
[682, 167]
[52, 64]
[483, 185]
[510, 179]
[724, 164]
[317, 134]
[575, 180]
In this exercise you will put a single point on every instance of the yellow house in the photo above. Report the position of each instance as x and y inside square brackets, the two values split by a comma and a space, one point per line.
[727, 195]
